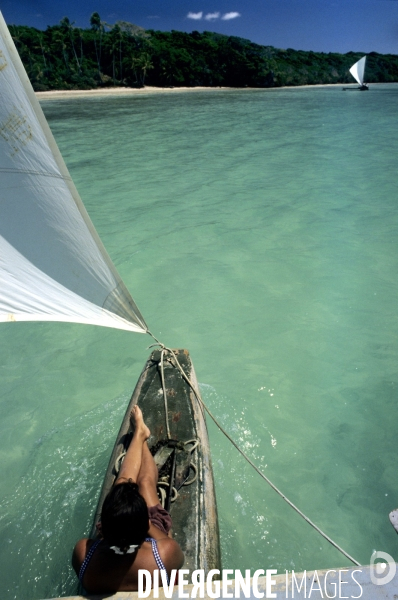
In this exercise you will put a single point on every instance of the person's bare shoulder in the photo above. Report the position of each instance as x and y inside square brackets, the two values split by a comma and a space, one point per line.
[79, 554]
[171, 553]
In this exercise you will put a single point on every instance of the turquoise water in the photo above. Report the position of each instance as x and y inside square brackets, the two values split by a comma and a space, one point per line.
[259, 229]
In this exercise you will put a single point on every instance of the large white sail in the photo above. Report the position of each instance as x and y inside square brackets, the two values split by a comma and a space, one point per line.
[358, 70]
[53, 266]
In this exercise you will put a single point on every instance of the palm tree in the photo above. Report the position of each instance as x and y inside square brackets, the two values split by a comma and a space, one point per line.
[68, 26]
[97, 26]
[43, 48]
[142, 62]
[81, 37]
[135, 62]
[58, 38]
[146, 64]
[120, 36]
[112, 40]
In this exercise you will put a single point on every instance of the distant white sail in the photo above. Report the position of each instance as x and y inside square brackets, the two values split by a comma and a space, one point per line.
[53, 266]
[358, 70]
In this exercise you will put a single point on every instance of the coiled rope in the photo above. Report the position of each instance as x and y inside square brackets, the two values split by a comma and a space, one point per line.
[277, 490]
[162, 484]
[174, 492]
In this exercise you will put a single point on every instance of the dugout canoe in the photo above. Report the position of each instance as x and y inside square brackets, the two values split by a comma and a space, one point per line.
[194, 510]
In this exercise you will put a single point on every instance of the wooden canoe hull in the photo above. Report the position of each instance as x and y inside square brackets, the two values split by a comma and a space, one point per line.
[194, 512]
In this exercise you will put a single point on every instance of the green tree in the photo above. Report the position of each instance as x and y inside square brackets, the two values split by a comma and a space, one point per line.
[141, 65]
[59, 42]
[67, 26]
[98, 28]
[66, 57]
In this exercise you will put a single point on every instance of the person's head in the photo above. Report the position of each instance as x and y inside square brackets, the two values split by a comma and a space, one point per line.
[124, 516]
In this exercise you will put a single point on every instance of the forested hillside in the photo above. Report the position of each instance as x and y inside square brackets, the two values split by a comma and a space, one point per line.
[123, 54]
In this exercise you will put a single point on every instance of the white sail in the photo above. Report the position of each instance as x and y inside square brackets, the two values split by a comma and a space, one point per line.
[358, 70]
[53, 266]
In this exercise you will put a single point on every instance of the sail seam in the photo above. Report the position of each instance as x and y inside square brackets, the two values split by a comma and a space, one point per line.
[31, 172]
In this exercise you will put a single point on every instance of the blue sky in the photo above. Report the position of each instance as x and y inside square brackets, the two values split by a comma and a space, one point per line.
[319, 25]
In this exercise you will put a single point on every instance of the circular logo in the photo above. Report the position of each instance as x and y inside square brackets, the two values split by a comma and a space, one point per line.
[384, 571]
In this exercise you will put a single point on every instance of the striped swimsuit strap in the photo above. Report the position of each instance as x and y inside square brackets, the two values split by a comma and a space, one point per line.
[94, 546]
[87, 560]
[157, 558]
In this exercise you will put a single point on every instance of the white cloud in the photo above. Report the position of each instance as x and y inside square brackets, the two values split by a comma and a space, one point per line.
[195, 16]
[230, 15]
[212, 16]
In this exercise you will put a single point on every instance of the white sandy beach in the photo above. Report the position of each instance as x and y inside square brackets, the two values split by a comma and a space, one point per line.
[122, 91]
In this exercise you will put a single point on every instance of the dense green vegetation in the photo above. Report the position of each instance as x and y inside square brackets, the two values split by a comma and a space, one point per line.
[123, 54]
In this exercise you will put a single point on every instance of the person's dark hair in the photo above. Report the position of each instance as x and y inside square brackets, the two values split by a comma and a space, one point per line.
[124, 516]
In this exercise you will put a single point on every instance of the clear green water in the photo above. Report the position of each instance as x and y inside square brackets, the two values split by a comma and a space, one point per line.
[259, 229]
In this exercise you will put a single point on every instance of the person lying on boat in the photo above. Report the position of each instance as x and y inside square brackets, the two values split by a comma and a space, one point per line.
[134, 527]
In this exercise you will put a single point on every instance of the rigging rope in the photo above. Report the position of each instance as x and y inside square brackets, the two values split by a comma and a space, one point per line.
[277, 490]
[164, 393]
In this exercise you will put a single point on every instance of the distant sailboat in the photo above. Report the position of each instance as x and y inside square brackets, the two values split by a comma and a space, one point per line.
[358, 72]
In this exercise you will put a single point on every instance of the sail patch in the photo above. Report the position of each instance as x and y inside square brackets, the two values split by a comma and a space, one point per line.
[3, 62]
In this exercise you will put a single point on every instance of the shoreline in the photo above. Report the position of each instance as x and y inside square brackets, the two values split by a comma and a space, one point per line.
[122, 91]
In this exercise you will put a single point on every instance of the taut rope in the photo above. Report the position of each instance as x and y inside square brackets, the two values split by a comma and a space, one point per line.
[277, 490]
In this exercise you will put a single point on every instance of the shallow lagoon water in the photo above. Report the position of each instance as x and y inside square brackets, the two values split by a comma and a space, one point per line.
[258, 229]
